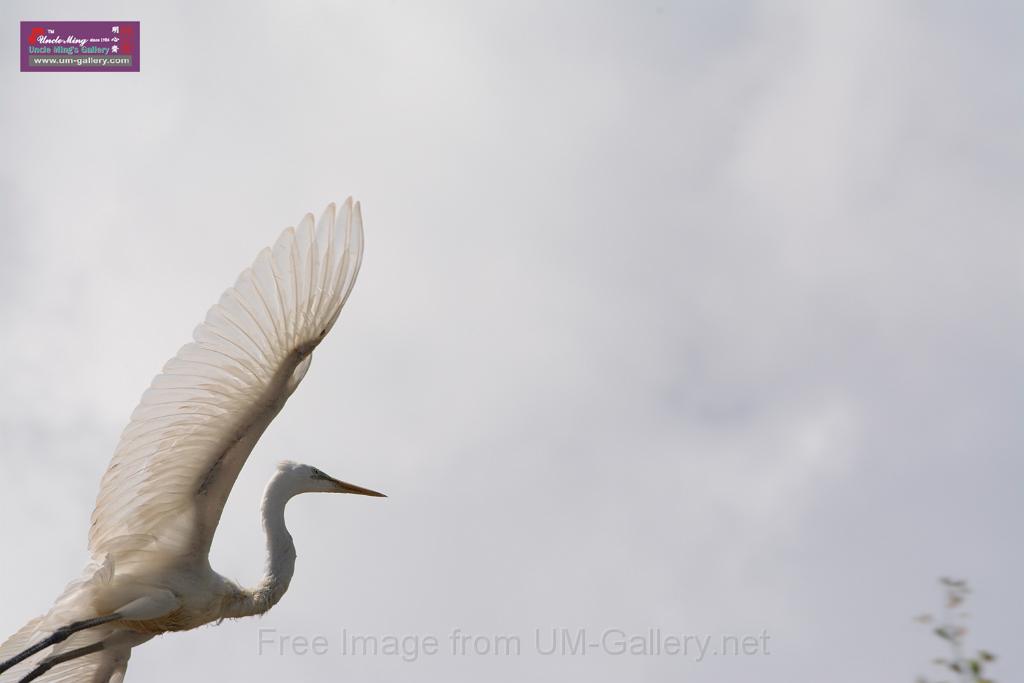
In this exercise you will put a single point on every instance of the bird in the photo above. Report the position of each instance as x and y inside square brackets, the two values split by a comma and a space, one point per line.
[161, 497]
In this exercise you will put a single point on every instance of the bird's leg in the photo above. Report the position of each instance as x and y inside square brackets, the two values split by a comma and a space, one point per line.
[58, 636]
[54, 660]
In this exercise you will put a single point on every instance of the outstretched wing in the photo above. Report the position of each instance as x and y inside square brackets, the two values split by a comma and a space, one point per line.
[189, 437]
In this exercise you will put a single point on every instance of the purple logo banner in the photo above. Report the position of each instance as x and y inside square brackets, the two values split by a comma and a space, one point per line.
[79, 46]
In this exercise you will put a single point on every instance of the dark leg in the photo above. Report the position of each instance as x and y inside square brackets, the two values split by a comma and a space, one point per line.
[51, 662]
[58, 636]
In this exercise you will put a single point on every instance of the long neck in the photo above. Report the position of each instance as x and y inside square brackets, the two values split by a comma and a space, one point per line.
[280, 552]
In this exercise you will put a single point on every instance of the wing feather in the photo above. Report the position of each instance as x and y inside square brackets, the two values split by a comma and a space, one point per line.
[195, 425]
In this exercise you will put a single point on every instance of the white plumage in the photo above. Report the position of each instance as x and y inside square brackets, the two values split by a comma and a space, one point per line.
[162, 496]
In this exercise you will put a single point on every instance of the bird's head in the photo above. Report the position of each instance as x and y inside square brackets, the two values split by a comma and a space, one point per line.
[308, 479]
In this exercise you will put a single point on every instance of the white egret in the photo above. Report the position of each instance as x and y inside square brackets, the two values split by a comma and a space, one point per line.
[162, 496]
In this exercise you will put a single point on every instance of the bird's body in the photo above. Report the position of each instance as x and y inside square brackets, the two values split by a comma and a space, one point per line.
[161, 498]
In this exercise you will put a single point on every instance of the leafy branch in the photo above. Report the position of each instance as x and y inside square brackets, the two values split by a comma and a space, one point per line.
[952, 629]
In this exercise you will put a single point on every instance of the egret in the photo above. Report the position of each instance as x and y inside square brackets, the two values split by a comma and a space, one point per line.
[162, 496]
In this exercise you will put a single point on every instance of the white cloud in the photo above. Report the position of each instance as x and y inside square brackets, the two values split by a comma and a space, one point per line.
[689, 316]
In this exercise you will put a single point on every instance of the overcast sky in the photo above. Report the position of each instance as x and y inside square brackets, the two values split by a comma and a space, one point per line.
[700, 316]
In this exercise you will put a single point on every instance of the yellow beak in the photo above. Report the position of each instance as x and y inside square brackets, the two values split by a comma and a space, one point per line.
[344, 487]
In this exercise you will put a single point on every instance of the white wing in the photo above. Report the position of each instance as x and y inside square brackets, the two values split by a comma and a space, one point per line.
[189, 437]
